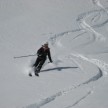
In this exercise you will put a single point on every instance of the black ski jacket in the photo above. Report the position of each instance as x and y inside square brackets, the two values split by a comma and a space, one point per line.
[43, 53]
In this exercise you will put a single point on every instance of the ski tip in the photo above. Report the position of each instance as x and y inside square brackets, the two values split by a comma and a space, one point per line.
[30, 74]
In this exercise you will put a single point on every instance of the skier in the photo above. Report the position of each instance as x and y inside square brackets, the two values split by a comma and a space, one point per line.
[42, 54]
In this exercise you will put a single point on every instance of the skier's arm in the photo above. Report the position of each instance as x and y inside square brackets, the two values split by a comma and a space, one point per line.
[49, 56]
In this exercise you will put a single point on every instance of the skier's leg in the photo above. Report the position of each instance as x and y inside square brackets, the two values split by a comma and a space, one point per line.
[40, 65]
[36, 65]
[36, 62]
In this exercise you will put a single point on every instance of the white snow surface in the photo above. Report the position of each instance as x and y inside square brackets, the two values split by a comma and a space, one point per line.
[77, 32]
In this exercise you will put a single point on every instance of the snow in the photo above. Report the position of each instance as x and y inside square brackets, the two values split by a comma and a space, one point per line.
[77, 34]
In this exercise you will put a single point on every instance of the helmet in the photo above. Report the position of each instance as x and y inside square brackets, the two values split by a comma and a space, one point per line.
[46, 44]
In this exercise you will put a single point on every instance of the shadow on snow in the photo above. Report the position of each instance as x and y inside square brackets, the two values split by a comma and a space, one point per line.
[57, 68]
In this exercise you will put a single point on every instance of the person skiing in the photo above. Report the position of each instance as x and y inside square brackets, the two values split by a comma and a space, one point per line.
[42, 54]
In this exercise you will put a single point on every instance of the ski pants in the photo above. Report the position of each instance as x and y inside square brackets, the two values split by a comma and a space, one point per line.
[39, 62]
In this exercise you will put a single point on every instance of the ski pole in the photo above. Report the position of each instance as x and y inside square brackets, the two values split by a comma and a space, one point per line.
[24, 56]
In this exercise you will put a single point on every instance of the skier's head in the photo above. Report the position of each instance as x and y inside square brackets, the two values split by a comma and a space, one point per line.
[46, 44]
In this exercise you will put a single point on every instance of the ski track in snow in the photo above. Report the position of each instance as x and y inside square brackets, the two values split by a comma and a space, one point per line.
[84, 27]
[81, 99]
[58, 94]
[97, 2]
[100, 65]
[87, 27]
[97, 63]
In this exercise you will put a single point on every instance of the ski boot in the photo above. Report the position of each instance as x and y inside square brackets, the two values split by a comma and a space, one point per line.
[37, 71]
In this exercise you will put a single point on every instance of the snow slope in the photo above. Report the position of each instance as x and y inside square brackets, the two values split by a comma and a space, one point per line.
[77, 34]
